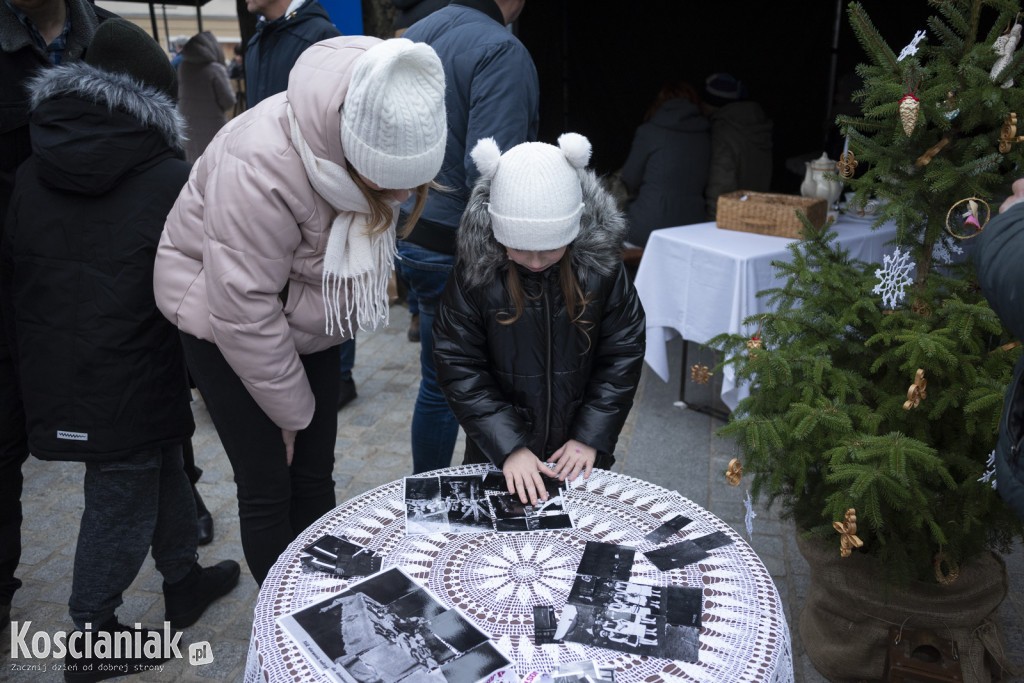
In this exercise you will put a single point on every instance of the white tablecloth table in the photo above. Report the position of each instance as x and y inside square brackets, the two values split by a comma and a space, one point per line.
[699, 281]
[495, 579]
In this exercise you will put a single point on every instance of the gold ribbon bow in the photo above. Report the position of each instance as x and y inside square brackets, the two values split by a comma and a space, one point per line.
[701, 374]
[848, 533]
[916, 393]
[734, 472]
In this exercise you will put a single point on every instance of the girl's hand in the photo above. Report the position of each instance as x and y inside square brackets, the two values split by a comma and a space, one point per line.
[572, 458]
[522, 474]
[289, 444]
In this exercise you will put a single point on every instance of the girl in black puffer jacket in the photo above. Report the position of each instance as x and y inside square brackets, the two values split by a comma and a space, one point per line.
[539, 337]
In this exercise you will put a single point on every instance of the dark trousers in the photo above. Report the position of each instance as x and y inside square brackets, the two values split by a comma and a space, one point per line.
[13, 453]
[131, 505]
[275, 502]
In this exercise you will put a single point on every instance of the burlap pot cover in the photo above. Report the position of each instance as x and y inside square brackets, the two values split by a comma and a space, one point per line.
[845, 619]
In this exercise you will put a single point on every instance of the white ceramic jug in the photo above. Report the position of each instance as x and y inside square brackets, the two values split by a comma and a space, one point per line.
[815, 183]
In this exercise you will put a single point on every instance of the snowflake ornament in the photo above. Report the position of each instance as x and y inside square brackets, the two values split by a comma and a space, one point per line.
[748, 519]
[946, 250]
[990, 471]
[912, 48]
[894, 276]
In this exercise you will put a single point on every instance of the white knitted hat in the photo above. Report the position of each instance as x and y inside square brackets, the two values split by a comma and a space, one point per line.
[393, 125]
[536, 198]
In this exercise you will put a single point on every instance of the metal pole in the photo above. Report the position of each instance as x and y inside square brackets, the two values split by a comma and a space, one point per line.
[833, 66]
[199, 16]
[152, 18]
[167, 29]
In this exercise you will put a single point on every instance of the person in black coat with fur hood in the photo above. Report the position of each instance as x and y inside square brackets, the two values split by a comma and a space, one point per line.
[101, 370]
[539, 338]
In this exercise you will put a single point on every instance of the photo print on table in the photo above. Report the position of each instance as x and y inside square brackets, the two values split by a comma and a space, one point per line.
[686, 552]
[645, 635]
[511, 514]
[388, 628]
[607, 560]
[545, 623]
[583, 671]
[668, 528]
[606, 609]
[339, 556]
[476, 503]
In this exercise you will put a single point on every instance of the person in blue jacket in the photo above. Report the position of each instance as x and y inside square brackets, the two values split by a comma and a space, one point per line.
[492, 91]
[998, 257]
[283, 30]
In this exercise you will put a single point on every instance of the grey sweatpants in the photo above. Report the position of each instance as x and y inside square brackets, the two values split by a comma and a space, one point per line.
[131, 505]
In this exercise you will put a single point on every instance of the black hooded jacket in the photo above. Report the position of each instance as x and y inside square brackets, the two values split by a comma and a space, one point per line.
[539, 382]
[101, 370]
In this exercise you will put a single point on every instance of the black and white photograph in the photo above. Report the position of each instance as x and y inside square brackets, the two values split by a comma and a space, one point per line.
[641, 634]
[388, 628]
[584, 671]
[607, 560]
[339, 556]
[545, 622]
[670, 527]
[510, 514]
[425, 510]
[466, 501]
[481, 663]
[686, 552]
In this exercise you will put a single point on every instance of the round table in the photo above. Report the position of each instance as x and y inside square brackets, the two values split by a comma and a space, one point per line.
[495, 579]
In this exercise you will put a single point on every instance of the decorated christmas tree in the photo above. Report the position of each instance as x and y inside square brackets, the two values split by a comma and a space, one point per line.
[877, 389]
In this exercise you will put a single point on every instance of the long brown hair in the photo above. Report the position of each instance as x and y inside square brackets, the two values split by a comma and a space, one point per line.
[575, 300]
[381, 210]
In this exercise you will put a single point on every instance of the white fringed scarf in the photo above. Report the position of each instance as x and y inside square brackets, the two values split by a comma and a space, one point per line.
[356, 264]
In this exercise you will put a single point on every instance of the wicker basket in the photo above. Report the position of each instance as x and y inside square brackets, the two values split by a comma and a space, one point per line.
[768, 214]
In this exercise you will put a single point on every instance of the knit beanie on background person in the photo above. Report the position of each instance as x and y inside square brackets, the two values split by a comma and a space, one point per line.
[393, 123]
[720, 89]
[536, 198]
[120, 46]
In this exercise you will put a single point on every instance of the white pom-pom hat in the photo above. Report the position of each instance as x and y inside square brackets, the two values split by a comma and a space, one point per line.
[536, 198]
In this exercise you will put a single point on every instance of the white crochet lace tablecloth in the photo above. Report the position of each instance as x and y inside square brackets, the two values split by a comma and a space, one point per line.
[495, 579]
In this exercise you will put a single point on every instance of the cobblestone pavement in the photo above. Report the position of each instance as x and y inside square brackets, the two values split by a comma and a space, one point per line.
[664, 443]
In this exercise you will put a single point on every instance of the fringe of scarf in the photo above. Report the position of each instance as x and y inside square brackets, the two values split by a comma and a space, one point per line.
[357, 265]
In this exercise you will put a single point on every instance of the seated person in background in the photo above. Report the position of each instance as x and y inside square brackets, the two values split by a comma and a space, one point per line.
[741, 140]
[667, 166]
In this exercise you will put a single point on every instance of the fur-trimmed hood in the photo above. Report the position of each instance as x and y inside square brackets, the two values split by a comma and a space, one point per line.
[145, 103]
[90, 127]
[597, 248]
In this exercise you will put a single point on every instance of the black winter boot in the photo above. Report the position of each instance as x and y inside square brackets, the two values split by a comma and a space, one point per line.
[89, 669]
[186, 600]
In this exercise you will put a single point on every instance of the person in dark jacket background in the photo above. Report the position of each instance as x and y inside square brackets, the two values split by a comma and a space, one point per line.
[204, 91]
[741, 141]
[34, 35]
[539, 338]
[285, 28]
[101, 370]
[998, 259]
[667, 166]
[492, 91]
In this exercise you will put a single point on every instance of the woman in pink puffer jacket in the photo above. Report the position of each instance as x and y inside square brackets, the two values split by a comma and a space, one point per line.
[279, 246]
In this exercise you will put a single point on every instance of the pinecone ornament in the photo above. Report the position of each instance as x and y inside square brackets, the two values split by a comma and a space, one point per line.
[909, 106]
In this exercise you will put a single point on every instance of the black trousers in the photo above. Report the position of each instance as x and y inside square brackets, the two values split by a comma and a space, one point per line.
[275, 502]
